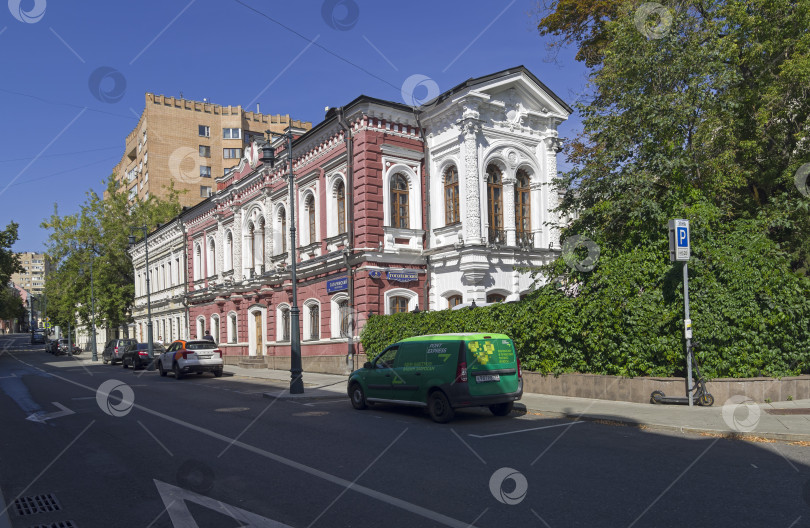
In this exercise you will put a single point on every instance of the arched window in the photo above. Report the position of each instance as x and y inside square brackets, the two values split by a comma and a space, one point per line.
[252, 244]
[232, 328]
[228, 251]
[309, 205]
[454, 300]
[399, 201]
[282, 220]
[495, 203]
[215, 327]
[523, 221]
[345, 317]
[398, 304]
[200, 327]
[495, 298]
[285, 323]
[340, 191]
[314, 321]
[197, 262]
[451, 208]
[212, 258]
[260, 242]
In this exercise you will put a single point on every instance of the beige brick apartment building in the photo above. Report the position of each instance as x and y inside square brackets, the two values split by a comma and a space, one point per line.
[36, 269]
[189, 143]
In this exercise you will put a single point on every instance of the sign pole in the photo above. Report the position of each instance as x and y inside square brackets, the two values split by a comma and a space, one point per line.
[688, 332]
[680, 251]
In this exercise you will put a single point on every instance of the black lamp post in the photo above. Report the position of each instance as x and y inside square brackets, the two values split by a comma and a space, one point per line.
[148, 298]
[268, 157]
[93, 310]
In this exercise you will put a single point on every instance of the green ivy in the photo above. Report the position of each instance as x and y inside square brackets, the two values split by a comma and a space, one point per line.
[749, 310]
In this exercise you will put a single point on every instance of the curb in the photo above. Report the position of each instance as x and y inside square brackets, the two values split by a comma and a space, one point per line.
[629, 422]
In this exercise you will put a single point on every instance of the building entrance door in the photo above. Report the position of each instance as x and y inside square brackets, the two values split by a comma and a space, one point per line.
[257, 318]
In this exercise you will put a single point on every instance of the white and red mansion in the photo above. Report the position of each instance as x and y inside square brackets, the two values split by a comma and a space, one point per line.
[397, 208]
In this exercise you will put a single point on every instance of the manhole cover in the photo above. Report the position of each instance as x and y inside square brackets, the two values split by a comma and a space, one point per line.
[36, 504]
[60, 524]
[787, 411]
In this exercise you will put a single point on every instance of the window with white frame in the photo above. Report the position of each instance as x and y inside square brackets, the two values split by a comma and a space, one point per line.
[228, 250]
[211, 260]
[232, 153]
[399, 201]
[197, 262]
[341, 317]
[200, 327]
[281, 231]
[312, 320]
[232, 328]
[204, 131]
[340, 198]
[311, 219]
[231, 133]
[215, 327]
[400, 300]
[283, 323]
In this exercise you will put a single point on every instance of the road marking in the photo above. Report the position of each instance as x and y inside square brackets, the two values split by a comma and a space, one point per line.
[525, 430]
[175, 500]
[323, 475]
[41, 418]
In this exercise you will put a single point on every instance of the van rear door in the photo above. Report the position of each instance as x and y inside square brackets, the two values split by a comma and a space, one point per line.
[491, 366]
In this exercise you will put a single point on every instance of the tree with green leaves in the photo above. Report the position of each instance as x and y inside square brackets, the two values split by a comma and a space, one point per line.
[698, 110]
[96, 239]
[9, 264]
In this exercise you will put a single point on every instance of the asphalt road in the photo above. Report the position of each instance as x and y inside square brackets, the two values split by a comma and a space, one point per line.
[212, 452]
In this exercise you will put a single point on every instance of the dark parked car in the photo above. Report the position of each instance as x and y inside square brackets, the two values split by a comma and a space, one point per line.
[113, 350]
[39, 338]
[137, 355]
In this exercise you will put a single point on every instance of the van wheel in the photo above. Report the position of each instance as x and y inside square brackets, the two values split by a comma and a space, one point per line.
[439, 407]
[501, 409]
[358, 397]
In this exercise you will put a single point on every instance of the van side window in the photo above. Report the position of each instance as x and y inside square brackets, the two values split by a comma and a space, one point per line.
[386, 360]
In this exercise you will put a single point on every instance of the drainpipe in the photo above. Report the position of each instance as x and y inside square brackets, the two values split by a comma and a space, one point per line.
[347, 253]
[427, 216]
[185, 275]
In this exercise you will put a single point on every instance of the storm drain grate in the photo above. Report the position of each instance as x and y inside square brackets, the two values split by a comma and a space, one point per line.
[36, 504]
[60, 524]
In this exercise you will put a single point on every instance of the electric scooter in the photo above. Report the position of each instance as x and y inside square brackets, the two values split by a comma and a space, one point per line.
[701, 395]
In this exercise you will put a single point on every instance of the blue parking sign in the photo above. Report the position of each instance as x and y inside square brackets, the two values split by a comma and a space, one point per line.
[683, 237]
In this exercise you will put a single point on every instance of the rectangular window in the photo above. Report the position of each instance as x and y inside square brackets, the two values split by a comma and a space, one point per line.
[231, 153]
[205, 192]
[205, 151]
[232, 133]
[226, 170]
[205, 171]
[204, 131]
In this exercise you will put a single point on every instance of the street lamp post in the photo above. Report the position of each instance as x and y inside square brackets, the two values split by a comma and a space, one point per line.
[148, 298]
[93, 310]
[296, 369]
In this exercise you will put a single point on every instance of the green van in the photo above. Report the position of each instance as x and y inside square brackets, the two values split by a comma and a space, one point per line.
[442, 372]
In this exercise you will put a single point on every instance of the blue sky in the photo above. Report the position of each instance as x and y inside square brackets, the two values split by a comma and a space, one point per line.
[73, 74]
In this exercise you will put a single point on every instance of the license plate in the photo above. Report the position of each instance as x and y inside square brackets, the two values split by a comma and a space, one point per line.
[201, 356]
[488, 377]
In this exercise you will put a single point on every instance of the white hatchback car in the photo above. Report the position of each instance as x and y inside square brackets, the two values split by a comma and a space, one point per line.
[184, 357]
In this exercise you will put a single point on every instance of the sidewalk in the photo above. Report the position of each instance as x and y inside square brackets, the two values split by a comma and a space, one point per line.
[733, 420]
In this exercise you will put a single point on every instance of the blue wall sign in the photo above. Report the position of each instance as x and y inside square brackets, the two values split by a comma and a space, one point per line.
[336, 285]
[375, 274]
[403, 276]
